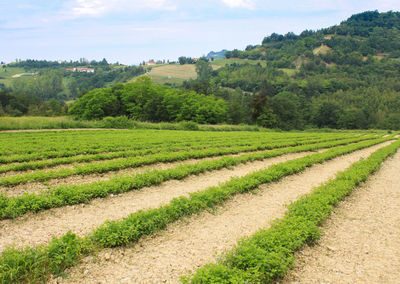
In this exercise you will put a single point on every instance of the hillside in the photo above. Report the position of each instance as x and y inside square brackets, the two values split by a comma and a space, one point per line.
[345, 76]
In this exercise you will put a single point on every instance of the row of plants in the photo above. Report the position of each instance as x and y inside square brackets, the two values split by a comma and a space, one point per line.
[39, 164]
[132, 162]
[38, 263]
[95, 142]
[12, 207]
[45, 140]
[269, 254]
[30, 150]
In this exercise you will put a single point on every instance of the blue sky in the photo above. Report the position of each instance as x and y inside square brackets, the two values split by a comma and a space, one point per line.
[130, 31]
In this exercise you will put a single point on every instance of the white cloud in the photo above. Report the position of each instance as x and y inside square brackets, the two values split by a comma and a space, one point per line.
[249, 4]
[80, 8]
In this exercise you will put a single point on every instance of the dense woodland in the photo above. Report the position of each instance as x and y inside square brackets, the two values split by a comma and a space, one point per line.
[345, 76]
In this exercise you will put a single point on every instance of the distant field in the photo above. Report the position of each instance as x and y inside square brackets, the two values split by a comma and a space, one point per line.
[175, 74]
[7, 73]
[223, 62]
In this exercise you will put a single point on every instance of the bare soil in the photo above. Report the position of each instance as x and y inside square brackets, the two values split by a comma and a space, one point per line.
[191, 243]
[40, 228]
[361, 240]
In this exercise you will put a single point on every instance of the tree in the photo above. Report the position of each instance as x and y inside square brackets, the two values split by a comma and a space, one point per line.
[286, 106]
[203, 69]
[328, 115]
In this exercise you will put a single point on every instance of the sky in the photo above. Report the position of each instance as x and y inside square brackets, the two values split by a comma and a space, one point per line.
[132, 31]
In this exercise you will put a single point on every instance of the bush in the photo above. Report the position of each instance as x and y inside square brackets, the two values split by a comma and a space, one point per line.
[189, 125]
[118, 122]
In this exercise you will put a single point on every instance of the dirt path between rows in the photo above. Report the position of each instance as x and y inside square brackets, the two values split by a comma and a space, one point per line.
[40, 228]
[361, 240]
[189, 244]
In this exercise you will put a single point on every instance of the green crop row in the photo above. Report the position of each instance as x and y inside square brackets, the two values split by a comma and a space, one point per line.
[122, 144]
[36, 264]
[124, 140]
[268, 254]
[132, 162]
[30, 165]
[12, 207]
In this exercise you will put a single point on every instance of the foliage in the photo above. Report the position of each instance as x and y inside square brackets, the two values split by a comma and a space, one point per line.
[69, 195]
[343, 76]
[144, 101]
[36, 264]
[268, 254]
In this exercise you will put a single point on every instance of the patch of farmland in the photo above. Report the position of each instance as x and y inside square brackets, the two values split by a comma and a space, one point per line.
[190, 244]
[147, 181]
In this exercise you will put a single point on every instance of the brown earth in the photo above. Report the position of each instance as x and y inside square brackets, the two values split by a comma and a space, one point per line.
[187, 245]
[34, 229]
[361, 240]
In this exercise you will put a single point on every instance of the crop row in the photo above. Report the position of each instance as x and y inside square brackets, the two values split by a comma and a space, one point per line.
[29, 165]
[12, 207]
[144, 144]
[125, 140]
[268, 254]
[36, 264]
[136, 161]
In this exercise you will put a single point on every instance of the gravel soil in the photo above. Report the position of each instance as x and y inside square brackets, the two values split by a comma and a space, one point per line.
[40, 228]
[189, 244]
[361, 240]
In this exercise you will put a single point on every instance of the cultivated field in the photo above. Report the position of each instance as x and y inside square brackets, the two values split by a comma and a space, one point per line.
[151, 206]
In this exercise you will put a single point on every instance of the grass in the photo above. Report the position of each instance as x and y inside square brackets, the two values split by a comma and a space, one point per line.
[65, 122]
[41, 122]
[223, 62]
[6, 77]
[288, 71]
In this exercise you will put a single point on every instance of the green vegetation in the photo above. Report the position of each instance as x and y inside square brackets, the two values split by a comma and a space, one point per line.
[137, 160]
[41, 122]
[39, 87]
[342, 77]
[224, 147]
[36, 264]
[70, 195]
[143, 101]
[268, 255]
[339, 77]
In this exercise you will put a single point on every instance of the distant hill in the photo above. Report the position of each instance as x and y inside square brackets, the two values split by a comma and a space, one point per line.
[216, 55]
[344, 76]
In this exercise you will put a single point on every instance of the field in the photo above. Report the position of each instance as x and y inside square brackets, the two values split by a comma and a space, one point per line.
[6, 74]
[160, 206]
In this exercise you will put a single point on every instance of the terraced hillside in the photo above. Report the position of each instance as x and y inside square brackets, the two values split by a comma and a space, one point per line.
[147, 206]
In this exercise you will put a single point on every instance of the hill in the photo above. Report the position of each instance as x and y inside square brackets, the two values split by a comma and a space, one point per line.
[217, 54]
[345, 76]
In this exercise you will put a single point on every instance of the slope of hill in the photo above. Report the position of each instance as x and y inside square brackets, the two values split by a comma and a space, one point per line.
[345, 76]
[216, 54]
